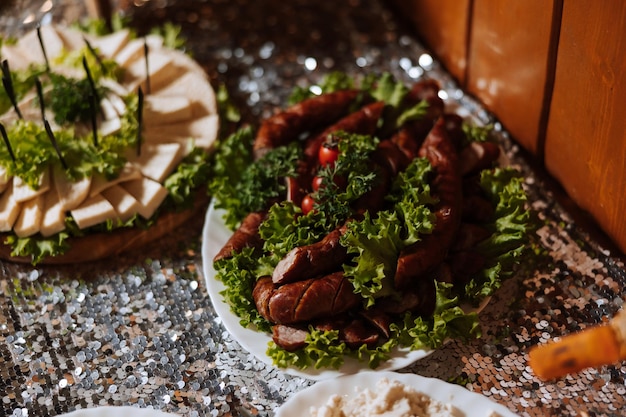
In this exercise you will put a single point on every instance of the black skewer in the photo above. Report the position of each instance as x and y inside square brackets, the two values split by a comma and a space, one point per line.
[92, 84]
[7, 82]
[94, 125]
[146, 50]
[95, 54]
[54, 143]
[5, 137]
[43, 48]
[139, 119]
[42, 106]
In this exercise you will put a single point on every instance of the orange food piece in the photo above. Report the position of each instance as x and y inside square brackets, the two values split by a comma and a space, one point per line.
[592, 347]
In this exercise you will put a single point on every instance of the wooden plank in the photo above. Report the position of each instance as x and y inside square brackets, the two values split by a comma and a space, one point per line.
[509, 63]
[442, 26]
[586, 136]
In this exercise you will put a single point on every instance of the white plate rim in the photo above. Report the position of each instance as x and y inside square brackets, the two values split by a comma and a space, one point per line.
[117, 411]
[214, 236]
[472, 404]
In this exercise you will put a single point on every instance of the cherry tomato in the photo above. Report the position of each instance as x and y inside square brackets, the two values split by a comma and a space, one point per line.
[316, 184]
[327, 155]
[307, 204]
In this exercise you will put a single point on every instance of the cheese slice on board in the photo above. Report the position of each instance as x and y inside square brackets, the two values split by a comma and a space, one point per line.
[94, 210]
[4, 179]
[195, 87]
[99, 183]
[23, 192]
[157, 161]
[9, 209]
[134, 49]
[111, 44]
[161, 67]
[31, 48]
[203, 130]
[150, 194]
[125, 205]
[53, 220]
[70, 193]
[73, 39]
[160, 110]
[29, 220]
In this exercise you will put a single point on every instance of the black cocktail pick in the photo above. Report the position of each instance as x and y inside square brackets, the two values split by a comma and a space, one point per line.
[139, 119]
[95, 54]
[146, 50]
[43, 48]
[94, 125]
[7, 82]
[54, 142]
[5, 137]
[42, 106]
[92, 84]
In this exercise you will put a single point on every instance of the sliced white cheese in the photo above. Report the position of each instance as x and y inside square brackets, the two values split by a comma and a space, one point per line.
[112, 44]
[29, 220]
[4, 179]
[99, 183]
[70, 193]
[110, 126]
[125, 205]
[115, 87]
[53, 220]
[203, 130]
[118, 104]
[157, 161]
[108, 110]
[22, 191]
[160, 110]
[9, 209]
[161, 67]
[31, 48]
[150, 194]
[94, 210]
[134, 49]
[186, 144]
[16, 58]
[73, 39]
[195, 87]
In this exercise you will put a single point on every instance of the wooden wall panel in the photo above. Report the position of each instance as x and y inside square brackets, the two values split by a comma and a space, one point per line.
[509, 61]
[442, 26]
[586, 136]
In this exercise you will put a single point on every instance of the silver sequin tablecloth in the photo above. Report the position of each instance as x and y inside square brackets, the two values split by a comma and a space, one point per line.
[140, 330]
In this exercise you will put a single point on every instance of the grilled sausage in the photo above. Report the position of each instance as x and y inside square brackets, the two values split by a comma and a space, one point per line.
[247, 235]
[285, 126]
[289, 338]
[478, 156]
[363, 121]
[304, 262]
[302, 301]
[417, 259]
[411, 135]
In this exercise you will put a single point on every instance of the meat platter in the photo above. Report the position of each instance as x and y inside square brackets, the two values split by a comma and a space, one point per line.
[409, 222]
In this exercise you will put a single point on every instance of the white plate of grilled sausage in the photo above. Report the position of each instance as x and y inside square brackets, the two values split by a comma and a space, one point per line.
[214, 236]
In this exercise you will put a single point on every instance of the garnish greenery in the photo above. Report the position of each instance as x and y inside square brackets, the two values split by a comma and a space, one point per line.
[373, 242]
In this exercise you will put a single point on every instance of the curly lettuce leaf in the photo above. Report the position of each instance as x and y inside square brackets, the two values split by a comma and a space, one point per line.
[376, 242]
[510, 231]
[238, 275]
[448, 321]
[323, 350]
[38, 249]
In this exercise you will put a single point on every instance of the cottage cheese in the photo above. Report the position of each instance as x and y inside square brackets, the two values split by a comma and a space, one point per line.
[389, 399]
